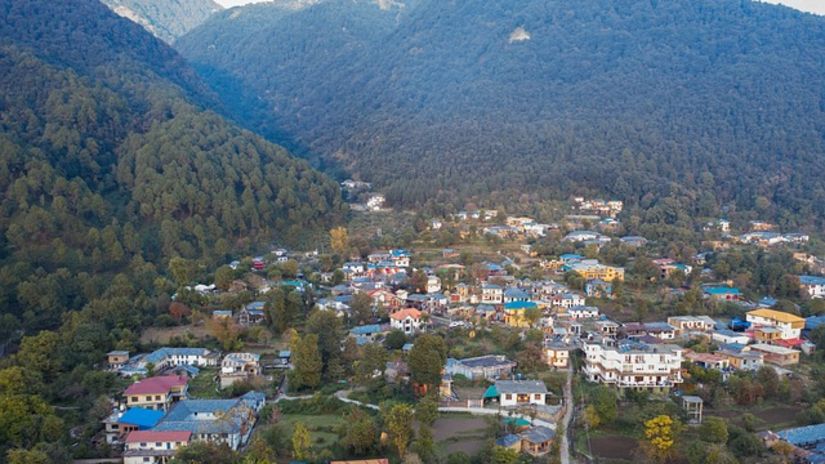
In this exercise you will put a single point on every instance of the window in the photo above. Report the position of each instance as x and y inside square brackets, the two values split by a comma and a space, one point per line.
[537, 396]
[148, 398]
[158, 444]
[135, 399]
[143, 445]
[508, 397]
[157, 397]
[146, 459]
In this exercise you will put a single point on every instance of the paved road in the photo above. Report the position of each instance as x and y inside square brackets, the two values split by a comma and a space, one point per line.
[569, 402]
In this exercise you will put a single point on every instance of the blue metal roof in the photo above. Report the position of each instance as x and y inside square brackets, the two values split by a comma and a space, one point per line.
[813, 322]
[804, 436]
[811, 280]
[366, 329]
[722, 291]
[508, 440]
[141, 417]
[157, 356]
[519, 305]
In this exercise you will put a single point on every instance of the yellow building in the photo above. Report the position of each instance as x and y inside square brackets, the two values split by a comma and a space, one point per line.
[515, 313]
[591, 269]
[156, 392]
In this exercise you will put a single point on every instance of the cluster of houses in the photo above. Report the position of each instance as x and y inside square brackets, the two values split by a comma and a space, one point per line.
[610, 208]
[519, 226]
[156, 416]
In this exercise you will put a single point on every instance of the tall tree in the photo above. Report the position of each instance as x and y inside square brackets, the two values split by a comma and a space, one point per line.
[426, 360]
[399, 423]
[306, 361]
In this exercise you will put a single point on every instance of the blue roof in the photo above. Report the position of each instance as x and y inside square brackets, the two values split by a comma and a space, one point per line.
[813, 322]
[811, 280]
[722, 291]
[804, 436]
[570, 257]
[190, 415]
[508, 440]
[516, 293]
[157, 356]
[142, 418]
[366, 329]
[407, 347]
[729, 333]
[732, 347]
[256, 305]
[768, 301]
[519, 305]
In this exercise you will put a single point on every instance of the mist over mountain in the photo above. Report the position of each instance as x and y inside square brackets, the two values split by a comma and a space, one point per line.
[717, 101]
[166, 19]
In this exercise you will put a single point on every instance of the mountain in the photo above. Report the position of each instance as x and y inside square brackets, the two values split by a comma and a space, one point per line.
[708, 103]
[166, 19]
[110, 165]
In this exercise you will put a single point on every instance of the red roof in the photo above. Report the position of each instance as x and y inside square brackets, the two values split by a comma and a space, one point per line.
[404, 313]
[789, 343]
[148, 436]
[160, 384]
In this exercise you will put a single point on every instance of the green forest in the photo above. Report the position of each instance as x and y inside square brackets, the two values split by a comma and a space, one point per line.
[710, 103]
[111, 169]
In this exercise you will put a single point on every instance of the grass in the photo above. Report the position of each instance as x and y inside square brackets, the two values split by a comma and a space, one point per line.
[322, 427]
[204, 385]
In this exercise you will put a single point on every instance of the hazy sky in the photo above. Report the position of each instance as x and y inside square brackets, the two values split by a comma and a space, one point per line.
[814, 6]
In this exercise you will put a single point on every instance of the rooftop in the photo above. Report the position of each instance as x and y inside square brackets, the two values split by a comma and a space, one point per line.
[520, 386]
[141, 417]
[148, 436]
[775, 315]
[538, 434]
[160, 384]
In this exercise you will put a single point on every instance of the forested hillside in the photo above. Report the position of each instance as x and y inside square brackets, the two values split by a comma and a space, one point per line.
[109, 168]
[166, 19]
[707, 103]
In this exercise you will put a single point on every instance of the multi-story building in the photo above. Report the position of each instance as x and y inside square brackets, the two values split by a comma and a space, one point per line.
[634, 365]
[591, 269]
[789, 325]
[492, 294]
[153, 447]
[685, 324]
[557, 353]
[407, 320]
[490, 367]
[157, 392]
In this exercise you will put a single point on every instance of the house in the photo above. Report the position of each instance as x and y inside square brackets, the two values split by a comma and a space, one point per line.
[813, 286]
[668, 266]
[171, 357]
[511, 393]
[537, 441]
[717, 362]
[578, 236]
[515, 294]
[583, 312]
[367, 333]
[220, 314]
[157, 392]
[144, 446]
[396, 371]
[598, 289]
[743, 360]
[633, 365]
[607, 328]
[386, 299]
[567, 300]
[789, 326]
[685, 324]
[490, 367]
[660, 330]
[406, 320]
[773, 354]
[239, 367]
[120, 423]
[633, 241]
[720, 293]
[117, 359]
[433, 284]
[251, 314]
[808, 443]
[492, 294]
[557, 353]
[511, 441]
[217, 421]
[591, 269]
[729, 336]
[515, 313]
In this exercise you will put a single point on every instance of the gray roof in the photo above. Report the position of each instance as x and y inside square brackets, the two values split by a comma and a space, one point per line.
[538, 434]
[521, 386]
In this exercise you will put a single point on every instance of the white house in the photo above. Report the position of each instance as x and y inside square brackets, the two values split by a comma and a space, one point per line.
[144, 446]
[634, 365]
[813, 286]
[692, 323]
[407, 320]
[433, 284]
[237, 367]
[583, 312]
[727, 337]
[520, 392]
[492, 294]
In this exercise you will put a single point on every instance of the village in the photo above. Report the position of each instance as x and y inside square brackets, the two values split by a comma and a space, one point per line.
[534, 348]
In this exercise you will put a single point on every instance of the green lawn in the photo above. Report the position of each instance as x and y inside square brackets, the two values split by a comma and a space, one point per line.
[322, 427]
[204, 385]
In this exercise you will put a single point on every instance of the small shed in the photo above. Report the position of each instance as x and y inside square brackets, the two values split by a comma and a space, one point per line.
[693, 406]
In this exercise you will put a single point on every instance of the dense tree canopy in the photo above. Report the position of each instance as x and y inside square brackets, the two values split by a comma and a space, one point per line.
[712, 102]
